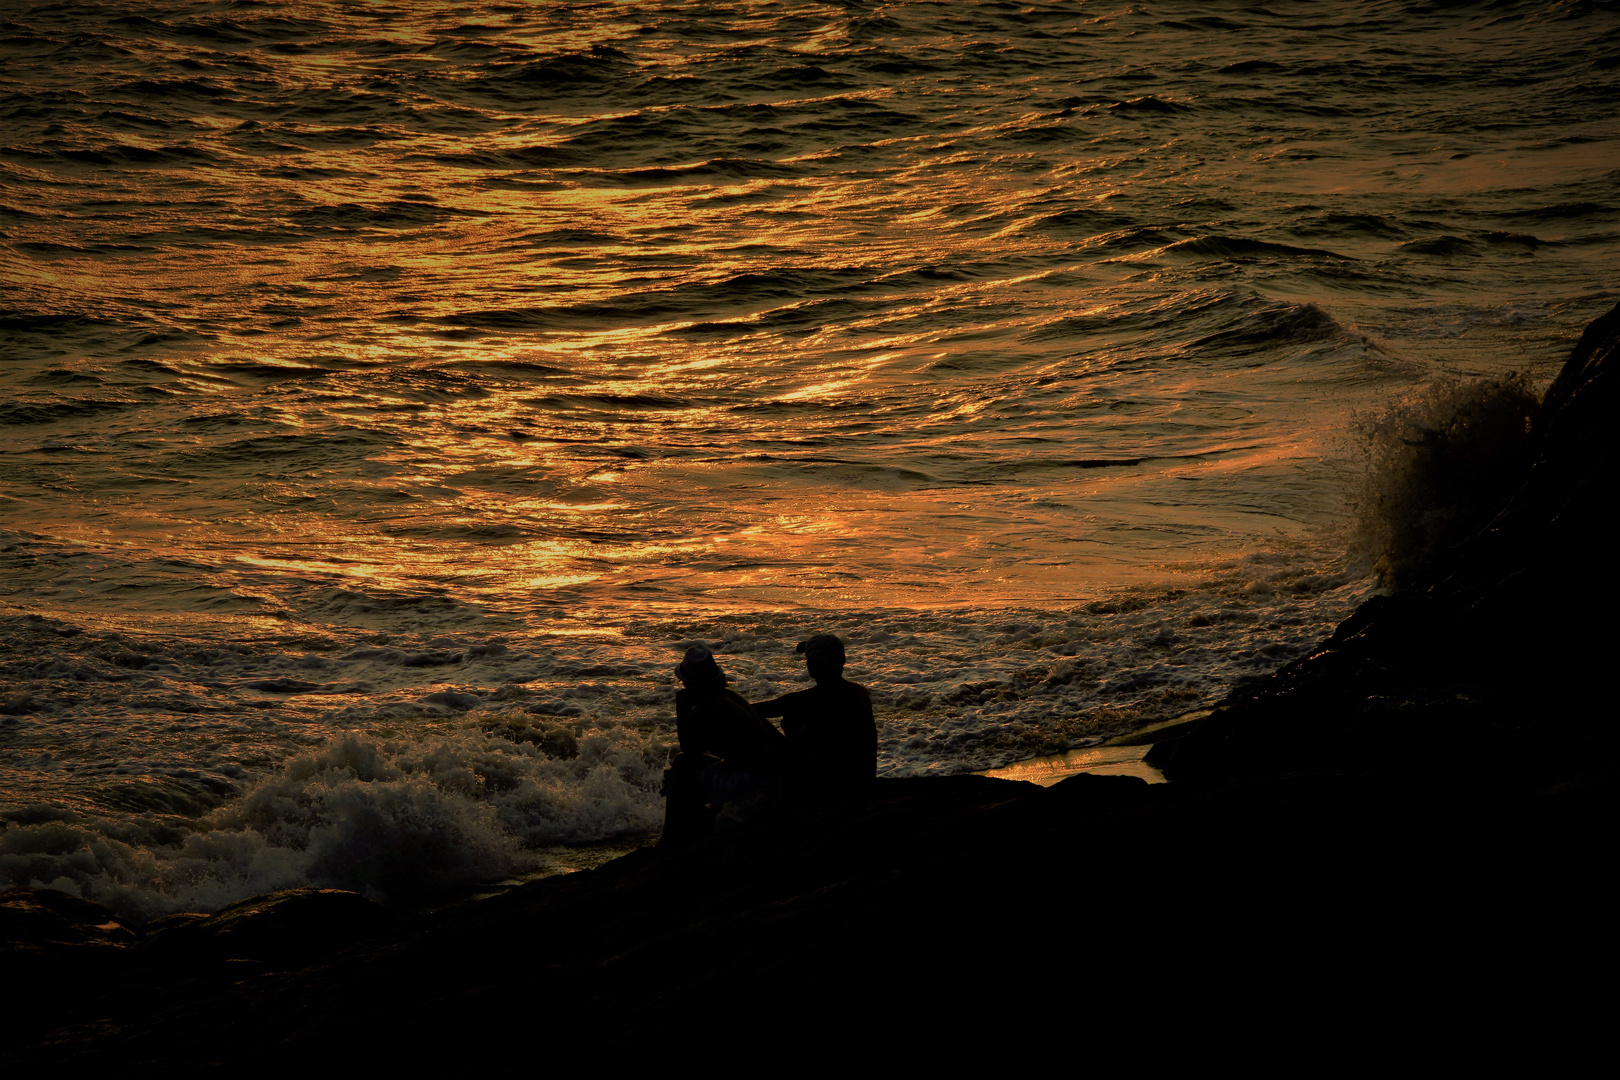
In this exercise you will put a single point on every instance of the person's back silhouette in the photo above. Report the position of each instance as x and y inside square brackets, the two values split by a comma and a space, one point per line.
[830, 729]
[731, 760]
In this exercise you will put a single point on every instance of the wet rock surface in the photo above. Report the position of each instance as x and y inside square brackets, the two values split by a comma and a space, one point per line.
[273, 932]
[37, 922]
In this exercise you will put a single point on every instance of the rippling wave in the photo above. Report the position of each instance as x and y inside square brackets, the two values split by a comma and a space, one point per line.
[1016, 343]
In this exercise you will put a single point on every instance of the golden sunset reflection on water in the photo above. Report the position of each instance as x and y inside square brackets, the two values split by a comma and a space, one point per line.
[567, 313]
[396, 389]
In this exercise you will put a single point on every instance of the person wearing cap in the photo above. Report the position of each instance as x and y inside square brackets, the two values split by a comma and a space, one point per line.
[830, 729]
[731, 762]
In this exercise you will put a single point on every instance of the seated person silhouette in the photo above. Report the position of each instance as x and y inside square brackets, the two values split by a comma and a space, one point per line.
[731, 761]
[830, 730]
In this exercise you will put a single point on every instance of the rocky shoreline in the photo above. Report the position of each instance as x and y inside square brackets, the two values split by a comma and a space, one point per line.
[1398, 836]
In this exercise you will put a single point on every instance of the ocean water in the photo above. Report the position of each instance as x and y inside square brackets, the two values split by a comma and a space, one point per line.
[392, 391]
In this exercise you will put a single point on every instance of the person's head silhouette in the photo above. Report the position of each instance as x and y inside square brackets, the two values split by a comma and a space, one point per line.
[698, 669]
[824, 656]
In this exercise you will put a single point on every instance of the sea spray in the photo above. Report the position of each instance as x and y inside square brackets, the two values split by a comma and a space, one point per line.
[1438, 463]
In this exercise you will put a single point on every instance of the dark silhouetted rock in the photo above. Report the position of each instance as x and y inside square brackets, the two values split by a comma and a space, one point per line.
[1510, 640]
[942, 921]
[47, 922]
[277, 931]
[56, 950]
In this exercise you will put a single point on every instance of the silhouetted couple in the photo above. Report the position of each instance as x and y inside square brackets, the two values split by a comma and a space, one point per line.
[734, 766]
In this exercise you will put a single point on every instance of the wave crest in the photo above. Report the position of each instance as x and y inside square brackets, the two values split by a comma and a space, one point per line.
[1438, 465]
[384, 817]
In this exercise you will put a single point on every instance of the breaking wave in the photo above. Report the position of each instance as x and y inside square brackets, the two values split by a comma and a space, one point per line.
[1438, 464]
[389, 818]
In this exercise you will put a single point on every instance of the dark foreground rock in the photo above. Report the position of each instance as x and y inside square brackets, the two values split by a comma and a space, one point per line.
[944, 922]
[1396, 850]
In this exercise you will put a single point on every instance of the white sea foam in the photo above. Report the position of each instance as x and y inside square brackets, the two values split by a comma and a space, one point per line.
[391, 817]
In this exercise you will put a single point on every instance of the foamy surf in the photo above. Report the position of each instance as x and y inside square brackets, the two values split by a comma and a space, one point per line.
[389, 818]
